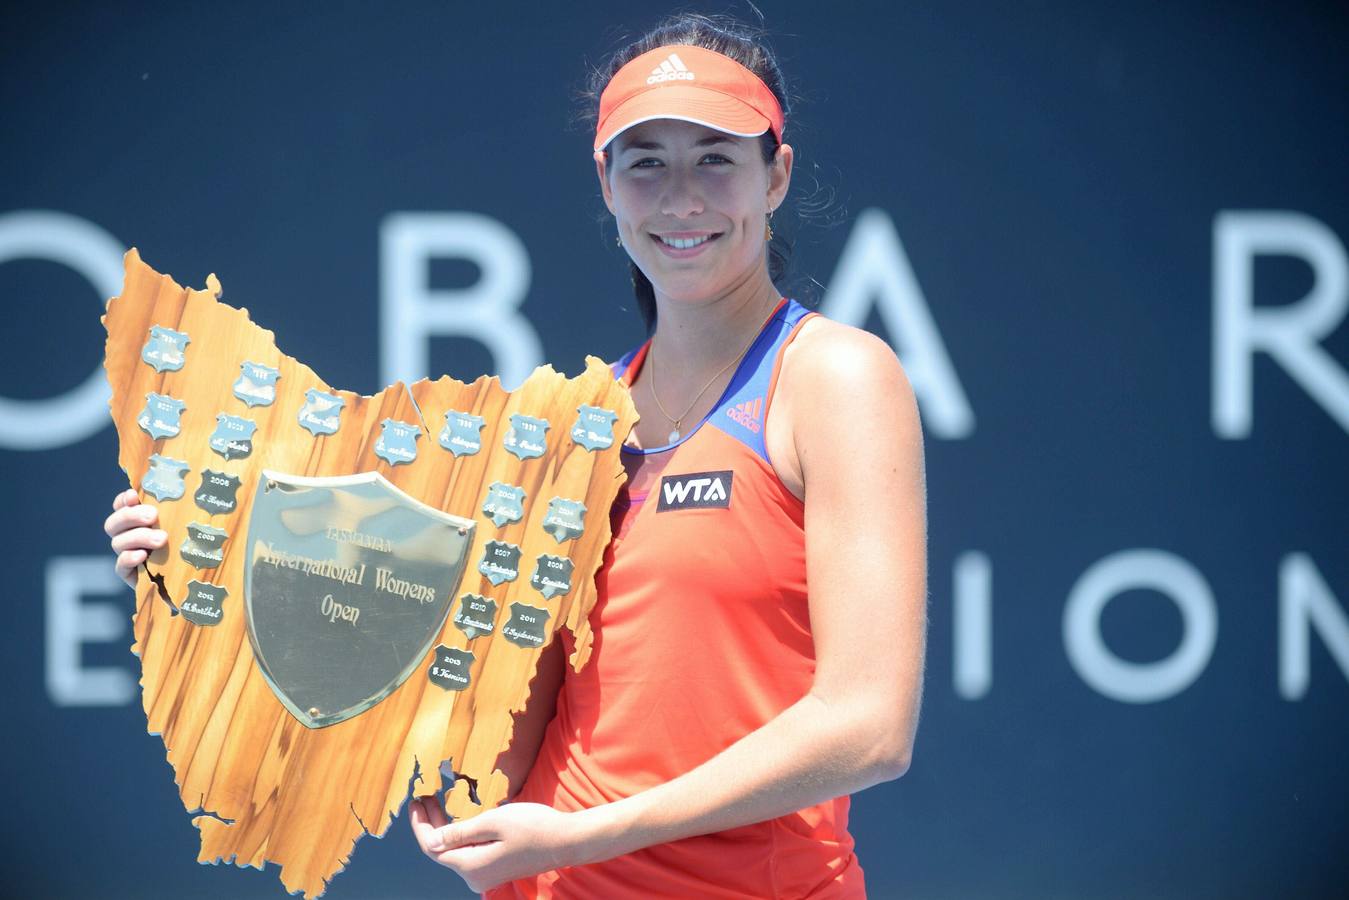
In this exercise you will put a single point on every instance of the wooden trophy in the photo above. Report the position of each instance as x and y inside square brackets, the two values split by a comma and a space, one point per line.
[355, 589]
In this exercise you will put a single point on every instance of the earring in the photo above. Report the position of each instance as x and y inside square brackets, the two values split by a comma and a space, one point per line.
[768, 227]
[618, 240]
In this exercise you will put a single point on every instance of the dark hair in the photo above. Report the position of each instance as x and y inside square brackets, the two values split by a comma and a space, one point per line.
[730, 37]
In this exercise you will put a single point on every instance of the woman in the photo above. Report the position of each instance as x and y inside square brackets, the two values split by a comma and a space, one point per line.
[727, 711]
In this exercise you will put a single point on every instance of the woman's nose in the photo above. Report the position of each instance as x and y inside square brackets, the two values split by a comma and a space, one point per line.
[681, 198]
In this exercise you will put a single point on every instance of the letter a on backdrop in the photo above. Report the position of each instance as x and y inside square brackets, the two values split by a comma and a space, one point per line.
[298, 651]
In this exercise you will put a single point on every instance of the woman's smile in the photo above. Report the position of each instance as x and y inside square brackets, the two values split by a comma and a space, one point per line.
[684, 244]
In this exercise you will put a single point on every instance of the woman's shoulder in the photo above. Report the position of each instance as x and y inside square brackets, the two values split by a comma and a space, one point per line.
[838, 387]
[828, 357]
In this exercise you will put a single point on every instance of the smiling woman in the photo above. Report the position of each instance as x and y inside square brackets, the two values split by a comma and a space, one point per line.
[729, 705]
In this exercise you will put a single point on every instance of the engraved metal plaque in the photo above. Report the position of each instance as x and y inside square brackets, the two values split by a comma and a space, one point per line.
[500, 562]
[397, 442]
[527, 626]
[164, 481]
[233, 436]
[594, 428]
[217, 492]
[565, 520]
[204, 546]
[204, 603]
[552, 576]
[257, 384]
[527, 437]
[347, 582]
[322, 412]
[160, 417]
[477, 615]
[462, 433]
[503, 501]
[450, 668]
[164, 351]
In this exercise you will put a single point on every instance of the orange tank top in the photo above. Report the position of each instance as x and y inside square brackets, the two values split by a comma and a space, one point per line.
[701, 635]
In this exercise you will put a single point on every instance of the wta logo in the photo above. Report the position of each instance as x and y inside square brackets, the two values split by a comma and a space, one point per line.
[672, 69]
[696, 490]
[748, 414]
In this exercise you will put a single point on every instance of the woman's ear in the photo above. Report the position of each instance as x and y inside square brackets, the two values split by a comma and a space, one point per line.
[602, 172]
[780, 175]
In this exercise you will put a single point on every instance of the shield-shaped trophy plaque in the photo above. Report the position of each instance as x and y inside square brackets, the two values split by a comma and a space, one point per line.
[339, 609]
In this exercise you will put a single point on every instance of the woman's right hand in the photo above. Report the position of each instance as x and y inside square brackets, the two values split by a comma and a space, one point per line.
[132, 529]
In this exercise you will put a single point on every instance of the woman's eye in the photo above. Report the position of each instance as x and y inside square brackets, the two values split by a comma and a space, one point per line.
[651, 162]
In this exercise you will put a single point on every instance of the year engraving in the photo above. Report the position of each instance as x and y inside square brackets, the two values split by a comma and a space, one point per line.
[450, 668]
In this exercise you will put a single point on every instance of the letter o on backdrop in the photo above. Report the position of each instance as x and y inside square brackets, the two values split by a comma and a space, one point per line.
[1141, 569]
[80, 245]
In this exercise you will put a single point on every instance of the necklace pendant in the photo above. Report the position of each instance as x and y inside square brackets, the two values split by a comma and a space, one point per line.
[674, 436]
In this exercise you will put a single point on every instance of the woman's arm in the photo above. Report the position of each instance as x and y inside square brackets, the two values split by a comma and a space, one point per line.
[858, 444]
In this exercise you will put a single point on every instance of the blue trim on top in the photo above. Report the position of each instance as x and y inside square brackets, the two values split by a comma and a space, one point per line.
[749, 383]
[621, 364]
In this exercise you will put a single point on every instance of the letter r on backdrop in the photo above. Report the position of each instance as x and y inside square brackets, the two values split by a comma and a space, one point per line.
[1291, 333]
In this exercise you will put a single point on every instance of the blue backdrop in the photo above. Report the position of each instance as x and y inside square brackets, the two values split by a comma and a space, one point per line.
[1109, 245]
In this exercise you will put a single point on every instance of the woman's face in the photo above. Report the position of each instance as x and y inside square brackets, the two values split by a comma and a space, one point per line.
[690, 204]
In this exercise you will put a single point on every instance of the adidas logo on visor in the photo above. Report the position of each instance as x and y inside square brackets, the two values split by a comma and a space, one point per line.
[672, 69]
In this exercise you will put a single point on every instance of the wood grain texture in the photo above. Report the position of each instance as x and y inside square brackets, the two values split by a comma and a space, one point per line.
[265, 787]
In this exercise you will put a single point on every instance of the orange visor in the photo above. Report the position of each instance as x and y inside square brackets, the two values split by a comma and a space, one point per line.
[690, 84]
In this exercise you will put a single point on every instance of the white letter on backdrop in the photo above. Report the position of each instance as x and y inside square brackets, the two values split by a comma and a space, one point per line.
[95, 254]
[1305, 602]
[488, 311]
[874, 270]
[1131, 570]
[1289, 333]
[973, 624]
[72, 624]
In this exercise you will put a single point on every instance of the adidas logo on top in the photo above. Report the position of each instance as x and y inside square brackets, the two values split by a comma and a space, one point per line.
[672, 69]
[749, 414]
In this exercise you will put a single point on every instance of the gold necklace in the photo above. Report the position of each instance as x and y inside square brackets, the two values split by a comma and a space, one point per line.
[674, 434]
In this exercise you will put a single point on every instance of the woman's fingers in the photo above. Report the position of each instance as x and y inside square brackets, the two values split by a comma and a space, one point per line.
[422, 827]
[131, 527]
[127, 561]
[139, 539]
[434, 812]
[463, 833]
[130, 516]
[437, 834]
[470, 861]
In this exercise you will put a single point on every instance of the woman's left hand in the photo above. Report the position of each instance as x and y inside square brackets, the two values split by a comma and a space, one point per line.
[512, 841]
